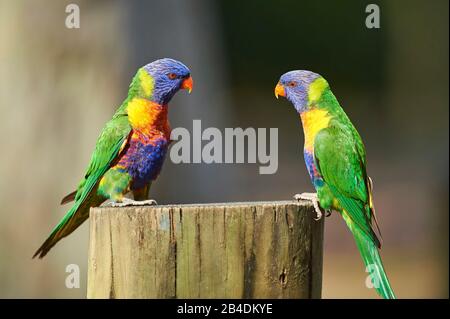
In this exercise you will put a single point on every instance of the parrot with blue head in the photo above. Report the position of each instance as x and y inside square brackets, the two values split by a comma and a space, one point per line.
[130, 150]
[335, 158]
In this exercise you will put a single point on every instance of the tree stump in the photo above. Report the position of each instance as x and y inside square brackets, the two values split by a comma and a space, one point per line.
[231, 250]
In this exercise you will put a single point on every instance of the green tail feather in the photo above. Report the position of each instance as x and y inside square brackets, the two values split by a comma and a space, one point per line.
[371, 257]
[58, 233]
[77, 214]
[74, 218]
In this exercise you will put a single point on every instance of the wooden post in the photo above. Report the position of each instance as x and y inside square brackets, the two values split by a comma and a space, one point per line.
[233, 250]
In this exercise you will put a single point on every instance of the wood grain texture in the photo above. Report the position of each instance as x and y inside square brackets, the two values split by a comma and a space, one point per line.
[233, 250]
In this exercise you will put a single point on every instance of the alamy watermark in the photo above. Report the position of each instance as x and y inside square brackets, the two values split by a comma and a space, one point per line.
[213, 146]
[373, 17]
[373, 279]
[73, 279]
[73, 17]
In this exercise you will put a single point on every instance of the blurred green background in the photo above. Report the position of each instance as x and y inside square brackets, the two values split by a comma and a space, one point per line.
[59, 86]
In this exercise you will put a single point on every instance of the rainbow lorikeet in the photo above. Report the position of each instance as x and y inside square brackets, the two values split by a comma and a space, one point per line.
[336, 161]
[130, 150]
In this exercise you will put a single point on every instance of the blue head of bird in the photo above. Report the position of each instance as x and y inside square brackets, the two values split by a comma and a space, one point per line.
[301, 88]
[163, 78]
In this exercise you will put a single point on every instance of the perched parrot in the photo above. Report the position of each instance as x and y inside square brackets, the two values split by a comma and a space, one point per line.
[336, 161]
[130, 150]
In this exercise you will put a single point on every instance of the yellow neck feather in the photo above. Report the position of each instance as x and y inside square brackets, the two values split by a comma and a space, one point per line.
[147, 83]
[316, 89]
[147, 117]
[313, 121]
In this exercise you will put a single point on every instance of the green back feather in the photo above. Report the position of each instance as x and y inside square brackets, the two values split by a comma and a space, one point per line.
[106, 151]
[341, 160]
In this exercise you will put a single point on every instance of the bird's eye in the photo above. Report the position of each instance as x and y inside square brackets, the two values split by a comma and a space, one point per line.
[292, 84]
[172, 76]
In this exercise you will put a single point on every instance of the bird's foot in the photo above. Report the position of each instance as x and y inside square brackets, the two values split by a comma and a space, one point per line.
[129, 202]
[315, 201]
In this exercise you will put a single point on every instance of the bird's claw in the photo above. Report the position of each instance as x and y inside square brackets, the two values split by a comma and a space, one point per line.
[129, 202]
[315, 201]
[305, 196]
[149, 202]
[319, 214]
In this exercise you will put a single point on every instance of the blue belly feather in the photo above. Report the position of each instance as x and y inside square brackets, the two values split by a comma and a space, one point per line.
[144, 161]
[314, 174]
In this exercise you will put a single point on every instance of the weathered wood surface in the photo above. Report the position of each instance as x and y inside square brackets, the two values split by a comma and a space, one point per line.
[235, 250]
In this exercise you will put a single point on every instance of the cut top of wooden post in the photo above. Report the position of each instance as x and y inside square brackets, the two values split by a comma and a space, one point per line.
[224, 250]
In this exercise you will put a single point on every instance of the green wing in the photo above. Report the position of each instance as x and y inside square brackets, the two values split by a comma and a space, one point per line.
[107, 149]
[340, 158]
[109, 145]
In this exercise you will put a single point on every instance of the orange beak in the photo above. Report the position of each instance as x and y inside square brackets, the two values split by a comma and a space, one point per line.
[279, 90]
[187, 84]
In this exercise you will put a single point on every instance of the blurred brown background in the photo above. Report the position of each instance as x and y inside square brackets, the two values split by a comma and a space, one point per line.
[59, 86]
